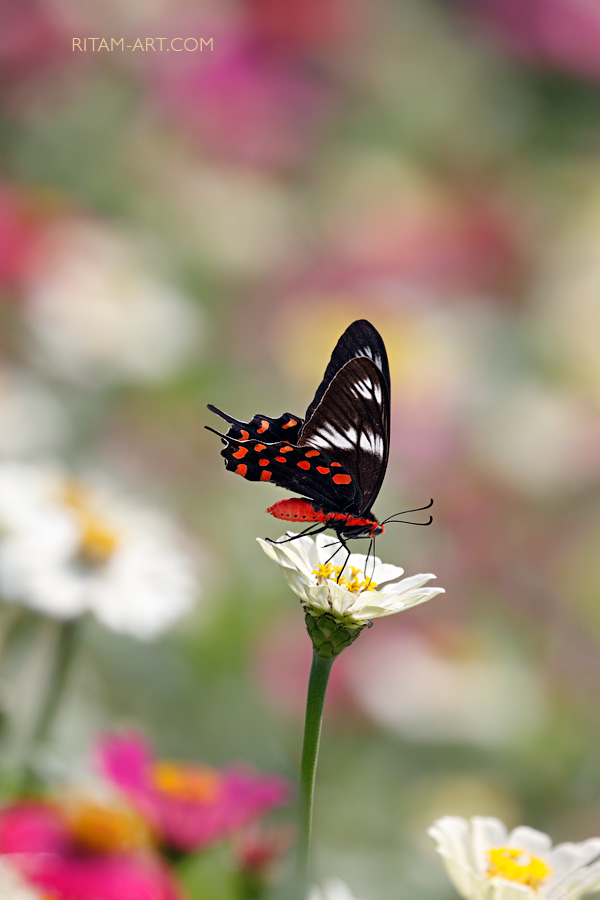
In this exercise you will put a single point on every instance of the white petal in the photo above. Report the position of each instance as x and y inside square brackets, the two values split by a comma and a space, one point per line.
[535, 842]
[385, 572]
[486, 832]
[451, 834]
[511, 890]
[565, 858]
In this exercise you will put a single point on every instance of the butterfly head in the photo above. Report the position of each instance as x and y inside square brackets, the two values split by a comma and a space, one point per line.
[376, 529]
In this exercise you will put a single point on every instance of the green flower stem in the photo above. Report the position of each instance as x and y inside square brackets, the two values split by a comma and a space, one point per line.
[64, 652]
[315, 699]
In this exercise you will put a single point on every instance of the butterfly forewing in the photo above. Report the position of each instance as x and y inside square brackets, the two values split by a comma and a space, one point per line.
[360, 339]
[351, 424]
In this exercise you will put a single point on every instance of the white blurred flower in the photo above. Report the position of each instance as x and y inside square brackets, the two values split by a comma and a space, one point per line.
[31, 419]
[460, 690]
[351, 596]
[67, 548]
[98, 313]
[334, 889]
[486, 862]
[12, 886]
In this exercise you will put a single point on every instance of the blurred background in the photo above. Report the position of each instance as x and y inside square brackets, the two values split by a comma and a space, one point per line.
[178, 228]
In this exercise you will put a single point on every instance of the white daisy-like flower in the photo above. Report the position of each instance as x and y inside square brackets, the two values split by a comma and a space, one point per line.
[334, 889]
[67, 548]
[363, 590]
[487, 862]
[12, 886]
[97, 312]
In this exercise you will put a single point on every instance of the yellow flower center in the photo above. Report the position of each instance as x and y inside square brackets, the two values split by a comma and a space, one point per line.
[98, 540]
[517, 865]
[357, 582]
[106, 829]
[194, 784]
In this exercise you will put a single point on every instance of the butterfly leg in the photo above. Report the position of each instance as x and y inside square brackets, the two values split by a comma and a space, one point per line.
[306, 533]
[343, 543]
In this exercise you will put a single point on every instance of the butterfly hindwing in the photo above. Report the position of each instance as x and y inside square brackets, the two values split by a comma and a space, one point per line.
[351, 424]
[262, 428]
[304, 470]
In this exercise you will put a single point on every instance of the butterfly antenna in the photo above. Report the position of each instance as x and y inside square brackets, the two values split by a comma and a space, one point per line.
[394, 521]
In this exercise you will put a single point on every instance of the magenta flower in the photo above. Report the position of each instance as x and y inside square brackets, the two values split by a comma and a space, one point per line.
[189, 806]
[84, 852]
[245, 102]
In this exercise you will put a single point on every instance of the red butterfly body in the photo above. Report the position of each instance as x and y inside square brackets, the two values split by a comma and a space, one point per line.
[300, 510]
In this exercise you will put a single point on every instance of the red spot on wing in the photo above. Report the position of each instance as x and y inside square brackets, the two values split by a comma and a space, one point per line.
[266, 475]
[290, 424]
[337, 464]
[260, 447]
[263, 462]
[245, 435]
[264, 426]
[287, 449]
[323, 469]
[241, 470]
[240, 452]
[280, 459]
[303, 464]
[312, 453]
[341, 479]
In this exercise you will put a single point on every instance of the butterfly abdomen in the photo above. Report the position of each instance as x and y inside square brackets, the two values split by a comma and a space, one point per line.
[302, 510]
[296, 510]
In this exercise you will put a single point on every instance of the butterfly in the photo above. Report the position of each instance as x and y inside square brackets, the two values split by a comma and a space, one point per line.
[337, 455]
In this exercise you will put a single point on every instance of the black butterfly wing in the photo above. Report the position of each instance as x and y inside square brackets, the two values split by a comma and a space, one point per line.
[360, 339]
[303, 470]
[263, 428]
[351, 424]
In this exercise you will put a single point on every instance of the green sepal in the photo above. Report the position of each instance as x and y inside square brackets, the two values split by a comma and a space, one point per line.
[330, 636]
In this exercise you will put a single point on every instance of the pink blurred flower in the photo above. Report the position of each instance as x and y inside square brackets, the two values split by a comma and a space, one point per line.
[245, 102]
[65, 860]
[189, 806]
[29, 37]
[300, 24]
[18, 234]
[564, 34]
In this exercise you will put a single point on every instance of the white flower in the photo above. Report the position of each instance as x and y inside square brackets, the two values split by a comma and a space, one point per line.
[67, 548]
[12, 886]
[465, 688]
[97, 312]
[334, 889]
[486, 862]
[353, 596]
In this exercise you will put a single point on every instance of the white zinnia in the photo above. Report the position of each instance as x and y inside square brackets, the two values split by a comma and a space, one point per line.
[12, 886]
[352, 596]
[334, 889]
[486, 862]
[67, 548]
